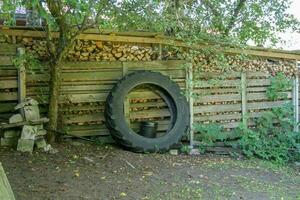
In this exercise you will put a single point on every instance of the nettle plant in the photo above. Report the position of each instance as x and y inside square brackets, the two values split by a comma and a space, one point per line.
[274, 137]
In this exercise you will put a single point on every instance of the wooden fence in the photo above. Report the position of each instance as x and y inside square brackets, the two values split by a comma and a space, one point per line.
[85, 86]
[239, 97]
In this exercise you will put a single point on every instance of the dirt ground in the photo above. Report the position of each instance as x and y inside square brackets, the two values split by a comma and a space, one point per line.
[87, 171]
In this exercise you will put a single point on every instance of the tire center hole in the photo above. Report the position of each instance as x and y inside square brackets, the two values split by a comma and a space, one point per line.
[148, 110]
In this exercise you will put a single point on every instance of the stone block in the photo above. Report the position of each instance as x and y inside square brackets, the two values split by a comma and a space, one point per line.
[40, 126]
[29, 132]
[31, 113]
[15, 118]
[25, 145]
[12, 133]
[40, 143]
[41, 132]
[173, 152]
[9, 142]
[28, 102]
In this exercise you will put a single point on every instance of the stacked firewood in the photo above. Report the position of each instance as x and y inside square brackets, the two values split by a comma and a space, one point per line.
[107, 51]
[86, 50]
[207, 64]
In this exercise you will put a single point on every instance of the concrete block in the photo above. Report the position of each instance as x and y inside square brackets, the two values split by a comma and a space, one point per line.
[25, 145]
[40, 143]
[40, 126]
[29, 132]
[41, 132]
[28, 102]
[12, 133]
[31, 113]
[15, 118]
[173, 152]
[9, 142]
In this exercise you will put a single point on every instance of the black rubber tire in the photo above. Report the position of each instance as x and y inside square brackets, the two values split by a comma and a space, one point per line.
[124, 135]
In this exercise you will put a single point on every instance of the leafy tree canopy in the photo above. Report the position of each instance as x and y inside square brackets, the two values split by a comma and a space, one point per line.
[258, 21]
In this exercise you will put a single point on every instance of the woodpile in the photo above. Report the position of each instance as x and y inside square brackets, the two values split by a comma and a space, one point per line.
[86, 50]
[204, 63]
[107, 51]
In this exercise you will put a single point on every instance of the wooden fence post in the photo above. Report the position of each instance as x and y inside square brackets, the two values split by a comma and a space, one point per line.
[189, 87]
[160, 52]
[295, 96]
[5, 188]
[126, 104]
[21, 78]
[244, 97]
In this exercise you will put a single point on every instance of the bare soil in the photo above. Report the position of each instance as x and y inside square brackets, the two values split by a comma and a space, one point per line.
[87, 171]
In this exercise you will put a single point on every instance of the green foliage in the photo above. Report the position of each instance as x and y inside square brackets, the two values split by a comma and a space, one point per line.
[279, 84]
[208, 135]
[273, 138]
[237, 21]
[185, 149]
[28, 61]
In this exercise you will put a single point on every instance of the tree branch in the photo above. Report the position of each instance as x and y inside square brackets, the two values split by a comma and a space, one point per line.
[233, 19]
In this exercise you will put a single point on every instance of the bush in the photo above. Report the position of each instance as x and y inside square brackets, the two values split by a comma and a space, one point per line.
[273, 138]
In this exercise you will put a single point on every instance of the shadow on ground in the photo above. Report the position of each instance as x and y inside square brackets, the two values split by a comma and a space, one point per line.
[86, 171]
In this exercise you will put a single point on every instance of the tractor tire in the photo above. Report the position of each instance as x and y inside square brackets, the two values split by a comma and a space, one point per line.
[172, 95]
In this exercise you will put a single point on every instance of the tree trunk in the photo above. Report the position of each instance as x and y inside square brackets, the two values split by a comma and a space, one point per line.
[55, 75]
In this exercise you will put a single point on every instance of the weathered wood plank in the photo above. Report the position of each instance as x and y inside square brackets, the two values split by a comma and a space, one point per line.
[211, 91]
[80, 98]
[8, 49]
[83, 76]
[171, 73]
[5, 60]
[7, 107]
[257, 74]
[217, 108]
[156, 65]
[214, 75]
[8, 84]
[266, 105]
[8, 96]
[149, 113]
[263, 96]
[92, 117]
[147, 104]
[92, 65]
[6, 192]
[217, 84]
[72, 89]
[258, 82]
[218, 98]
[8, 72]
[89, 132]
[257, 89]
[143, 95]
[74, 76]
[218, 117]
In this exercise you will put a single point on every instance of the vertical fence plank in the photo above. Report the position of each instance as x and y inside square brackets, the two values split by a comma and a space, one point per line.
[6, 192]
[190, 86]
[21, 78]
[126, 103]
[159, 52]
[296, 100]
[244, 97]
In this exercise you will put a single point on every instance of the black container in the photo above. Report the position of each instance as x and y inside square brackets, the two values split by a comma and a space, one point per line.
[148, 129]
